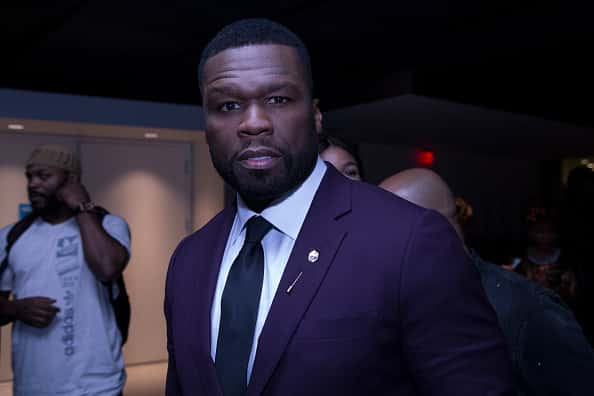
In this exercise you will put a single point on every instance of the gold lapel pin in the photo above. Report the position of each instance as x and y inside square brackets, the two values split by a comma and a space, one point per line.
[313, 256]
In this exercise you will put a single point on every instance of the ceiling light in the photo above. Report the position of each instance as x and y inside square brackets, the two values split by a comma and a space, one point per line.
[16, 127]
[151, 135]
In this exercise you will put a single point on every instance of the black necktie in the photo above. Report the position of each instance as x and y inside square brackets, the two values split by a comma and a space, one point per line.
[239, 310]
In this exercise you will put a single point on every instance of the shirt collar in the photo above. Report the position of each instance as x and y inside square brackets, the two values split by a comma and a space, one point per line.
[288, 213]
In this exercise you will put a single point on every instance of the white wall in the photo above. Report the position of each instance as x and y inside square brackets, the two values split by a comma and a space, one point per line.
[147, 184]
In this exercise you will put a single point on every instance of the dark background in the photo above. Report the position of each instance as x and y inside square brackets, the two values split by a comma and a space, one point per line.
[529, 57]
[500, 90]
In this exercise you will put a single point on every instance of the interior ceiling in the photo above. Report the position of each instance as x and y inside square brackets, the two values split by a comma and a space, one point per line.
[434, 123]
[524, 57]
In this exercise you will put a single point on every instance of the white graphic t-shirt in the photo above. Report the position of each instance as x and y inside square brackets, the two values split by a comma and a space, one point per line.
[79, 353]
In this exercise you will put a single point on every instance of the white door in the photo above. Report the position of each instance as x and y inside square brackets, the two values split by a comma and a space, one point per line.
[148, 185]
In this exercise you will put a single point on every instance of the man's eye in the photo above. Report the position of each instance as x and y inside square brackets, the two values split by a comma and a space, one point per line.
[277, 100]
[229, 106]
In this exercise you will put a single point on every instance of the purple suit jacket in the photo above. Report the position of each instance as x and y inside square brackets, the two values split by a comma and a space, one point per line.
[393, 306]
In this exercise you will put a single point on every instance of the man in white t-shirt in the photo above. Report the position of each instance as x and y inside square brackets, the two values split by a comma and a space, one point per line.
[65, 338]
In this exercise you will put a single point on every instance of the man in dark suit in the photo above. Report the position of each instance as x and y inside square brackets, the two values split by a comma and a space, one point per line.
[311, 283]
[549, 352]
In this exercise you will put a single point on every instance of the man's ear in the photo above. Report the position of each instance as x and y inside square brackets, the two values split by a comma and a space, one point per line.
[317, 115]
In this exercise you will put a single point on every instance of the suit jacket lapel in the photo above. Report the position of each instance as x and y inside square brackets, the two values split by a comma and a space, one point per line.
[322, 232]
[211, 253]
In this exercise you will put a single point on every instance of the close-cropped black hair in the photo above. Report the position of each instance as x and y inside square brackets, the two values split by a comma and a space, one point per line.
[253, 32]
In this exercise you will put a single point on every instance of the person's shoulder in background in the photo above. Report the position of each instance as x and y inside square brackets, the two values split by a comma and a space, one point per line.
[548, 347]
[508, 290]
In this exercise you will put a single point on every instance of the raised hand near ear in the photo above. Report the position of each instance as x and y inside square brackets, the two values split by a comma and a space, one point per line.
[73, 193]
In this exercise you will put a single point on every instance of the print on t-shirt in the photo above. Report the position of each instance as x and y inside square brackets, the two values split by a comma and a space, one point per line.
[67, 246]
[79, 353]
[67, 266]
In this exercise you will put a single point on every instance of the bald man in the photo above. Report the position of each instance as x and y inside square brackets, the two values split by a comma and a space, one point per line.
[425, 188]
[549, 352]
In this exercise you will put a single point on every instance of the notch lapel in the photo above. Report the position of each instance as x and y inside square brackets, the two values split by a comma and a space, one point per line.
[322, 232]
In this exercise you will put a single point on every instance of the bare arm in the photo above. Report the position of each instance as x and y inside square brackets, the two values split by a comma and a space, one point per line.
[105, 256]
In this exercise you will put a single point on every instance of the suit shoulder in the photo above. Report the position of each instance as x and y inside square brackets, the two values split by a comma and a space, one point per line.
[194, 246]
[384, 204]
[516, 297]
[206, 230]
[200, 237]
[539, 294]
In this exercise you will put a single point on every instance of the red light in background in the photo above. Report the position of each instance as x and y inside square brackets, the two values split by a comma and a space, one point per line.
[425, 157]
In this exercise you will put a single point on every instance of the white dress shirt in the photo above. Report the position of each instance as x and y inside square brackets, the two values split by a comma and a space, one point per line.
[287, 216]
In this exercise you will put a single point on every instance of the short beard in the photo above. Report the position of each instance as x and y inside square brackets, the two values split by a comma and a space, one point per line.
[261, 188]
[52, 205]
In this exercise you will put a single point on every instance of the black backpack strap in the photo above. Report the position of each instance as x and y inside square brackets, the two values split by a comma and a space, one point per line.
[14, 234]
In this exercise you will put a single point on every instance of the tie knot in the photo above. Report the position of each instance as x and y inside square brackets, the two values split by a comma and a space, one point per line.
[257, 228]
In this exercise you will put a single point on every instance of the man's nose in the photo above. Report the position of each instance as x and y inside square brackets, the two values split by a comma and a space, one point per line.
[255, 121]
[33, 182]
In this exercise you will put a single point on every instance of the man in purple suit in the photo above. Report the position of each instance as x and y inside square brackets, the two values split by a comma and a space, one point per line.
[311, 283]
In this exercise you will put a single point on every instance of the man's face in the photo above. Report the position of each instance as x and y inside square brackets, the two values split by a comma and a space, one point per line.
[261, 121]
[43, 182]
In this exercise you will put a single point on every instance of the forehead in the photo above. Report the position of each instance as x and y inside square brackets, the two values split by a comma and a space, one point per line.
[253, 64]
[42, 168]
[338, 154]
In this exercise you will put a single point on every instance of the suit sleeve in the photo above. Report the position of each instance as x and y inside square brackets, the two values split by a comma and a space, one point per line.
[556, 357]
[172, 386]
[452, 342]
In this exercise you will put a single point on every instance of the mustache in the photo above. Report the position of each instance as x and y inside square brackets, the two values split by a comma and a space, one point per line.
[33, 194]
[262, 147]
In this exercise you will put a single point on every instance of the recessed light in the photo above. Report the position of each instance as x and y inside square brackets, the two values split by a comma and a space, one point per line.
[16, 127]
[151, 135]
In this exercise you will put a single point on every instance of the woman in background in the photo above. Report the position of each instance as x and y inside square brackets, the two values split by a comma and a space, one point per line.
[341, 154]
